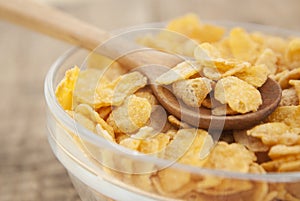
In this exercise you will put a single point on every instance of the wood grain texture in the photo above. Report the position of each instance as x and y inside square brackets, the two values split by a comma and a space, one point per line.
[28, 169]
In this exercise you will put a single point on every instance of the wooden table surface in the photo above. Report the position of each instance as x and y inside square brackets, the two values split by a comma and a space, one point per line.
[28, 169]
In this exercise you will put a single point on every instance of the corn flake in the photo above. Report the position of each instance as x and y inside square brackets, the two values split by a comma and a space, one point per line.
[293, 51]
[133, 114]
[192, 91]
[104, 112]
[206, 53]
[237, 157]
[281, 151]
[289, 97]
[286, 76]
[296, 85]
[210, 102]
[172, 179]
[274, 133]
[255, 75]
[181, 71]
[91, 120]
[242, 46]
[191, 27]
[252, 143]
[177, 123]
[130, 143]
[146, 92]
[292, 166]
[230, 187]
[268, 58]
[290, 115]
[274, 165]
[223, 110]
[238, 94]
[211, 73]
[127, 85]
[189, 146]
[65, 89]
[86, 88]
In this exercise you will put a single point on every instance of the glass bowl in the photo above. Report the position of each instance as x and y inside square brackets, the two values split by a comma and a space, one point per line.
[137, 179]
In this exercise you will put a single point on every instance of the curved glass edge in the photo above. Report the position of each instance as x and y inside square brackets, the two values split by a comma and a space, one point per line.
[61, 115]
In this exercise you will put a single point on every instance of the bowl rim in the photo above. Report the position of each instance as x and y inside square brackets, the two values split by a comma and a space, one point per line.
[57, 111]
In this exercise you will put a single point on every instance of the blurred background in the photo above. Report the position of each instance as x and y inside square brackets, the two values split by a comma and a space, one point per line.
[28, 169]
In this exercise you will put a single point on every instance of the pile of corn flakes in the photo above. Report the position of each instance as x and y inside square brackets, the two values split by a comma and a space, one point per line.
[228, 68]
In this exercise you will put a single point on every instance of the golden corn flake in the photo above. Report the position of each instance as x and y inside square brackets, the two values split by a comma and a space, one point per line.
[169, 41]
[146, 141]
[130, 143]
[206, 53]
[144, 133]
[242, 46]
[296, 85]
[290, 115]
[238, 94]
[146, 92]
[102, 131]
[127, 85]
[211, 73]
[291, 166]
[133, 142]
[252, 143]
[181, 71]
[191, 27]
[163, 140]
[274, 133]
[286, 76]
[293, 51]
[282, 151]
[210, 102]
[274, 165]
[177, 123]
[289, 96]
[224, 68]
[185, 189]
[199, 150]
[192, 91]
[254, 75]
[231, 67]
[172, 179]
[149, 146]
[180, 144]
[237, 157]
[211, 33]
[223, 110]
[268, 58]
[133, 114]
[86, 88]
[64, 90]
[88, 112]
[277, 44]
[152, 143]
[189, 146]
[94, 89]
[104, 112]
[228, 187]
[209, 56]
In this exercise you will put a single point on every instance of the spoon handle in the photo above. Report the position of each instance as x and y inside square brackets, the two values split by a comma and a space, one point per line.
[50, 21]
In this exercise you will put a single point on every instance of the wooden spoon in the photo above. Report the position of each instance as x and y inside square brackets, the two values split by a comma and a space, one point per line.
[47, 20]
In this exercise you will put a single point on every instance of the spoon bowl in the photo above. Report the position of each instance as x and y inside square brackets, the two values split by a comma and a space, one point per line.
[203, 118]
